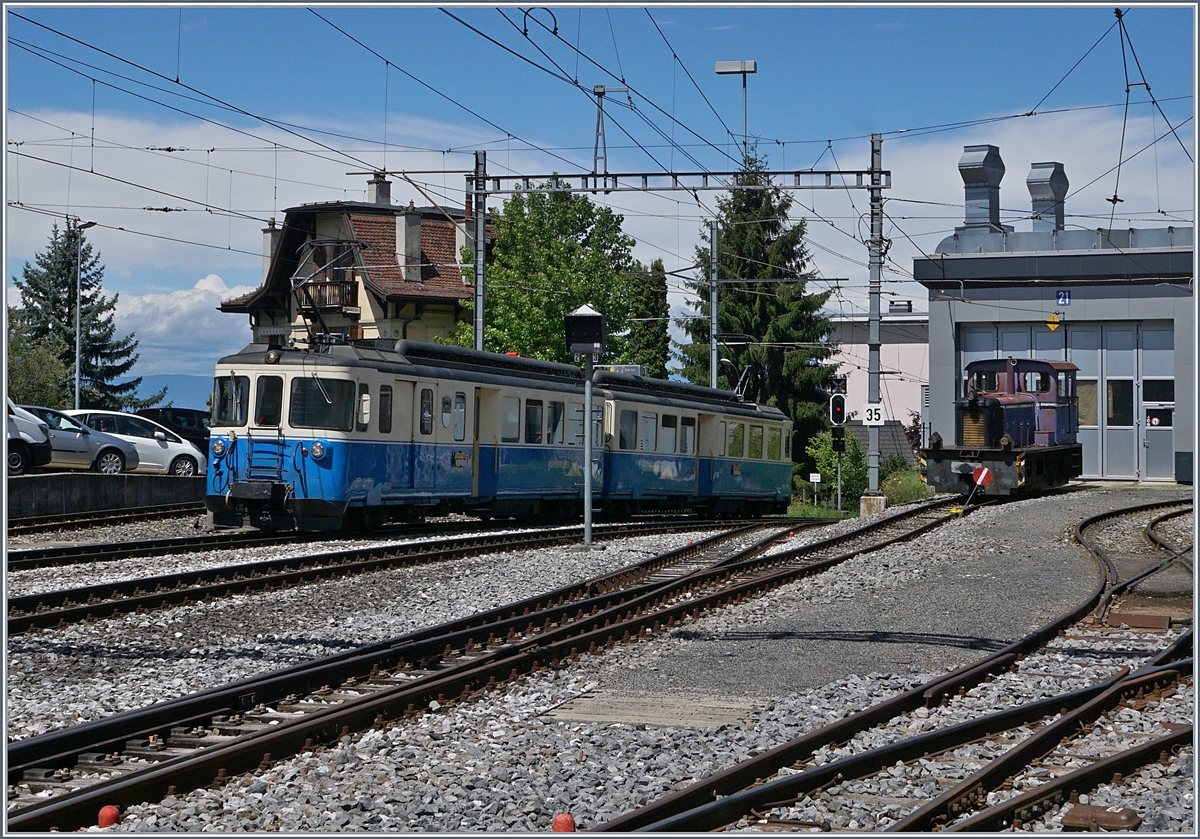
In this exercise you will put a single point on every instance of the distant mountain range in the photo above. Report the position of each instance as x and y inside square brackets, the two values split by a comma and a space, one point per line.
[182, 391]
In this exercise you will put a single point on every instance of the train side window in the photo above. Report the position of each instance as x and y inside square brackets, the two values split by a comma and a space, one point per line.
[737, 439]
[1064, 386]
[670, 428]
[575, 425]
[363, 420]
[268, 402]
[460, 416]
[510, 420]
[774, 438]
[426, 410]
[628, 430]
[649, 435]
[1036, 382]
[385, 409]
[554, 422]
[756, 442]
[687, 435]
[533, 421]
[787, 446]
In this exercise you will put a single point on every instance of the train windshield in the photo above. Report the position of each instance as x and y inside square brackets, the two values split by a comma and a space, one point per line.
[231, 400]
[985, 381]
[321, 403]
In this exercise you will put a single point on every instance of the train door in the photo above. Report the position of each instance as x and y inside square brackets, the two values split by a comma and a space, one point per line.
[486, 448]
[396, 424]
[710, 448]
[424, 438]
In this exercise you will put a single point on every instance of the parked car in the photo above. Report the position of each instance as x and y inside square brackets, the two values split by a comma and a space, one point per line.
[159, 449]
[78, 447]
[28, 442]
[189, 423]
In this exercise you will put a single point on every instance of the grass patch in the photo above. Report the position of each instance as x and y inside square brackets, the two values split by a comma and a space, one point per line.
[812, 511]
[903, 486]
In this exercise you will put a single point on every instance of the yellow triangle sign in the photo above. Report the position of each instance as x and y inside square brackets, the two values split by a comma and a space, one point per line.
[1052, 322]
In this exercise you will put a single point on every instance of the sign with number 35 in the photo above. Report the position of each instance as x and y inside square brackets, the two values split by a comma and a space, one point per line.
[873, 414]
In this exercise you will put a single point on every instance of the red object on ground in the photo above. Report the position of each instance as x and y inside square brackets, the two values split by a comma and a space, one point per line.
[791, 534]
[563, 823]
[982, 476]
[109, 815]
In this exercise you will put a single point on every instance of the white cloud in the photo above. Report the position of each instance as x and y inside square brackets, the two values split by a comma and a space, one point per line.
[182, 332]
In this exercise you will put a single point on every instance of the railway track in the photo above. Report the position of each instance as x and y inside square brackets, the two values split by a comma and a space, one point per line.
[1002, 768]
[99, 518]
[60, 608]
[208, 737]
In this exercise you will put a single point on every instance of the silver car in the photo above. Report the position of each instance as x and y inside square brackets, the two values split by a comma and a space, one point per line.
[75, 446]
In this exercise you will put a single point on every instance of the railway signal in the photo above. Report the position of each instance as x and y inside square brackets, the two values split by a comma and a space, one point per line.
[837, 409]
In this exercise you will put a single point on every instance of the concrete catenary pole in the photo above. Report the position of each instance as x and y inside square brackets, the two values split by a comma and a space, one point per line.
[712, 304]
[588, 369]
[79, 228]
[480, 209]
[876, 268]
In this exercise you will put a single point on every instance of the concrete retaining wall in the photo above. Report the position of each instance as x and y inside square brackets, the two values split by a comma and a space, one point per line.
[78, 492]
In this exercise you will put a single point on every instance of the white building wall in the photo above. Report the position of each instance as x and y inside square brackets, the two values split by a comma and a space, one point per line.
[903, 362]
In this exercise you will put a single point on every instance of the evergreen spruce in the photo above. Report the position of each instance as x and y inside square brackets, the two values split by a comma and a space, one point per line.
[649, 343]
[762, 262]
[48, 313]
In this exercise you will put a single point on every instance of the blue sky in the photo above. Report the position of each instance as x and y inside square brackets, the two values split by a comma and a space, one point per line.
[823, 74]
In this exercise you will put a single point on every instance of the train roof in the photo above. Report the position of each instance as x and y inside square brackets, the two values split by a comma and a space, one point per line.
[1023, 363]
[429, 359]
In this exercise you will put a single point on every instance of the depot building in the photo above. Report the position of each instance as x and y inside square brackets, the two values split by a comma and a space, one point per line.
[1117, 303]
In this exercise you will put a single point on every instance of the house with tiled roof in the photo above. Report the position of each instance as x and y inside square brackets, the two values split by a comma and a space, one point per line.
[362, 269]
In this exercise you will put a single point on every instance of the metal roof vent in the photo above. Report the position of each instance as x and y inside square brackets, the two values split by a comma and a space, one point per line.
[900, 307]
[982, 169]
[1047, 184]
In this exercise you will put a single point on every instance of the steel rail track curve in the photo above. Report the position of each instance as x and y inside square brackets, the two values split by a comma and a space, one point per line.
[735, 792]
[453, 662]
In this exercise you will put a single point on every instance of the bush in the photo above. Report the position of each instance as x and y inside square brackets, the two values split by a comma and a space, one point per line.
[854, 469]
[904, 485]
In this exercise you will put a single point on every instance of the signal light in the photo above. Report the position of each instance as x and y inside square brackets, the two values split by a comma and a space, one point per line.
[837, 409]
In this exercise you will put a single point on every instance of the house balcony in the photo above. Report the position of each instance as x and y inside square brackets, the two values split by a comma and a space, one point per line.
[340, 297]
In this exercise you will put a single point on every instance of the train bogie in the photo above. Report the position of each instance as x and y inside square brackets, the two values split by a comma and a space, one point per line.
[376, 431]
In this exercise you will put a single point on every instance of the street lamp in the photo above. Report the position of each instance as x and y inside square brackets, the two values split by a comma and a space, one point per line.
[79, 228]
[744, 68]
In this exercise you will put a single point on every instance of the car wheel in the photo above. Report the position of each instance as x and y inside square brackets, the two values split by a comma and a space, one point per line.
[110, 463]
[18, 459]
[183, 467]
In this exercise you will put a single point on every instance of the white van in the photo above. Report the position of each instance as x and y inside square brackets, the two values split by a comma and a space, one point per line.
[28, 443]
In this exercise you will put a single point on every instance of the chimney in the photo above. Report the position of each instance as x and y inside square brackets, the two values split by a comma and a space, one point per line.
[408, 226]
[271, 237]
[982, 169]
[379, 190]
[1047, 184]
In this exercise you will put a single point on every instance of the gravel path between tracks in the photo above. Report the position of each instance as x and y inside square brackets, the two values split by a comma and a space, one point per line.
[873, 627]
[165, 528]
[1180, 529]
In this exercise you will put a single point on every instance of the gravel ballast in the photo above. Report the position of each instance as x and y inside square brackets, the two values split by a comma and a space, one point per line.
[802, 656]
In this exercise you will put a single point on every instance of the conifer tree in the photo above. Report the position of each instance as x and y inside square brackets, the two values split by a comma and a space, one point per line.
[649, 343]
[48, 312]
[762, 269]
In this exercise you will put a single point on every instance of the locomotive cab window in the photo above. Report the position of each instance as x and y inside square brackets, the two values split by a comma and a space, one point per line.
[533, 421]
[321, 403]
[426, 410]
[1036, 382]
[666, 440]
[510, 420]
[1064, 386]
[737, 439]
[985, 381]
[231, 398]
[756, 442]
[627, 430]
[460, 416]
[649, 436]
[268, 401]
[687, 435]
[385, 409]
[555, 416]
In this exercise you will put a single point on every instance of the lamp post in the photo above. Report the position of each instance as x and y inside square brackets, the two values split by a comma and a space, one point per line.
[743, 68]
[79, 228]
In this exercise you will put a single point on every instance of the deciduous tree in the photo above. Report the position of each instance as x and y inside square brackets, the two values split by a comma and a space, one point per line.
[649, 342]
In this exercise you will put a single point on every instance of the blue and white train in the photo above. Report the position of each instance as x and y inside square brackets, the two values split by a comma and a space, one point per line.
[361, 433]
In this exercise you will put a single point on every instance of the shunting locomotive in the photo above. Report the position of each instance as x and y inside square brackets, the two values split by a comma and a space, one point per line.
[1019, 419]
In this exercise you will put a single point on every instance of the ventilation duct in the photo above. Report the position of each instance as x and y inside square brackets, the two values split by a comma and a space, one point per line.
[1047, 184]
[982, 169]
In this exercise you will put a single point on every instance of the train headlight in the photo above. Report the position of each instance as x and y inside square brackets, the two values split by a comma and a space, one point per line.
[318, 451]
[273, 356]
[218, 447]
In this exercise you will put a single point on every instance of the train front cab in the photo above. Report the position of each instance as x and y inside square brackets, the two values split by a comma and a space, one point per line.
[1019, 418]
